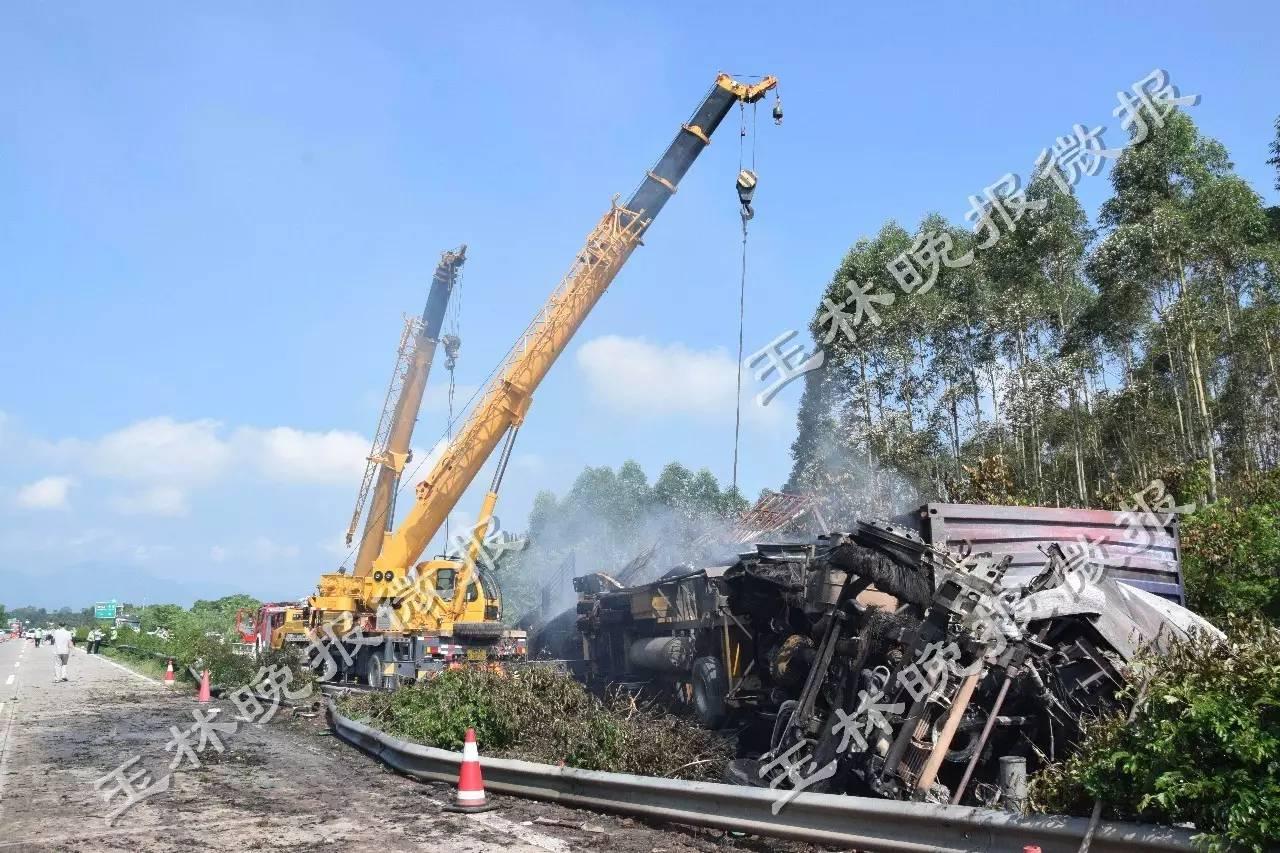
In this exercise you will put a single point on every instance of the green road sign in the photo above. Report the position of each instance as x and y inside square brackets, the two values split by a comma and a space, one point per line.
[106, 610]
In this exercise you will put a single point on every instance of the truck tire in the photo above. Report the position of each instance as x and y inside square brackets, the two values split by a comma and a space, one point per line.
[373, 671]
[710, 688]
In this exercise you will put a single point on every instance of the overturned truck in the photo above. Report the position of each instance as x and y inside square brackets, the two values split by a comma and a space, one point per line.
[878, 662]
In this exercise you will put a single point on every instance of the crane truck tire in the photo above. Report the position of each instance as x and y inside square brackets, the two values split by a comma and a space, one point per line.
[373, 671]
[710, 690]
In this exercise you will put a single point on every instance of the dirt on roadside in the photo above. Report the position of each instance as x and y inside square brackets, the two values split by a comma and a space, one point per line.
[286, 784]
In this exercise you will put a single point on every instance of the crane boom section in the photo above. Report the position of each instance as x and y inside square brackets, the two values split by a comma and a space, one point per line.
[507, 398]
[391, 459]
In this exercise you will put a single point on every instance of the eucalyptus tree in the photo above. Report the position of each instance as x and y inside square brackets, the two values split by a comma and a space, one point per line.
[1177, 222]
[1275, 153]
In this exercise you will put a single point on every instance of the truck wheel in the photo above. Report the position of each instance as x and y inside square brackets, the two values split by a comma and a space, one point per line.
[710, 688]
[373, 671]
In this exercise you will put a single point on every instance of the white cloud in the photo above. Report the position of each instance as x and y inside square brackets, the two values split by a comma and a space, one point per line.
[296, 456]
[158, 450]
[170, 458]
[46, 493]
[166, 501]
[639, 378]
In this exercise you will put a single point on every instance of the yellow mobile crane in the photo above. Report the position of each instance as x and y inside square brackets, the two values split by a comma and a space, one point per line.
[390, 452]
[442, 610]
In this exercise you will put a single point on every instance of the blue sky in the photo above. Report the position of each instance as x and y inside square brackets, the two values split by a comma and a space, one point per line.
[212, 220]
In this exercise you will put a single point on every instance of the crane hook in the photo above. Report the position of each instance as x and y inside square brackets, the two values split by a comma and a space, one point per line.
[777, 109]
[746, 189]
[452, 343]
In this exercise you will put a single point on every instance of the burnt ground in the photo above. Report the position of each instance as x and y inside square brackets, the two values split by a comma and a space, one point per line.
[287, 784]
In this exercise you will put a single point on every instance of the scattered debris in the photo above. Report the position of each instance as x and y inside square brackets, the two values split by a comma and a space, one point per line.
[567, 824]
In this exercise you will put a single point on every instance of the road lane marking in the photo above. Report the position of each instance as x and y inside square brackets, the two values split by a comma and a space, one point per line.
[4, 759]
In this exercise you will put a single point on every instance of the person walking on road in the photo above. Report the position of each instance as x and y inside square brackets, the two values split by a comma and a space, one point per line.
[94, 638]
[62, 642]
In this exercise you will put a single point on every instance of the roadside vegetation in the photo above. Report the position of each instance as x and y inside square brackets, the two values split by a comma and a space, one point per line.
[1203, 747]
[545, 716]
[1231, 552]
[202, 637]
[190, 652]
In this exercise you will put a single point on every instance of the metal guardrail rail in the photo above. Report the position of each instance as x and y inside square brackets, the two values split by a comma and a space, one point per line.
[878, 826]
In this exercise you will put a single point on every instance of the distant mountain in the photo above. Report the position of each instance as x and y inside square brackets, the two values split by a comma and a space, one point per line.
[84, 584]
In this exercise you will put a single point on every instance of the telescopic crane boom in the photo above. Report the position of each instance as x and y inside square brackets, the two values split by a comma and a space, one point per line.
[391, 442]
[506, 400]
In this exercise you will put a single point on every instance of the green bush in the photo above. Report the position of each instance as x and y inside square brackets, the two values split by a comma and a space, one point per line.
[1231, 552]
[1203, 748]
[191, 647]
[542, 715]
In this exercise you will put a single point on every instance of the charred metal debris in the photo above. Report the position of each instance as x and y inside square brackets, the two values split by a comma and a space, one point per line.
[874, 663]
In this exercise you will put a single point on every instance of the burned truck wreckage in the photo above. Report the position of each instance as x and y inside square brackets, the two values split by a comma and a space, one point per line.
[875, 662]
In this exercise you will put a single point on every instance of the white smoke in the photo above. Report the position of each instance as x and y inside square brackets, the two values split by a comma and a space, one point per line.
[634, 545]
[849, 484]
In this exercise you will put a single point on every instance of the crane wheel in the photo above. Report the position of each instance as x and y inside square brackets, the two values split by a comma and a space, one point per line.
[373, 671]
[710, 690]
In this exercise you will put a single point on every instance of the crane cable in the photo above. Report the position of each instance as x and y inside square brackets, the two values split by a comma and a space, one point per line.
[746, 186]
[452, 344]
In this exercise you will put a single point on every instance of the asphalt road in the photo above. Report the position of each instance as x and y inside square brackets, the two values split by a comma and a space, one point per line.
[283, 785]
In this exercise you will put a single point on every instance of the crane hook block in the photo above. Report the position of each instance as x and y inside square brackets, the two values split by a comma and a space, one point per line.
[746, 190]
[452, 343]
[777, 110]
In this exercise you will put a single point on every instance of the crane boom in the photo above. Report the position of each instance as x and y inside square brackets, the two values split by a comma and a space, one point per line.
[508, 396]
[390, 456]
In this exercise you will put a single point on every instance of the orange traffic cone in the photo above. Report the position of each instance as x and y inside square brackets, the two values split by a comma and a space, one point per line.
[470, 796]
[204, 687]
[168, 674]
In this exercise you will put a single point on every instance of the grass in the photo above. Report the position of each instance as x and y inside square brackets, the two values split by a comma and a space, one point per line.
[544, 716]
[148, 666]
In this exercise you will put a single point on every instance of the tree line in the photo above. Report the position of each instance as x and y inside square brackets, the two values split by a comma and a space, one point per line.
[1071, 363]
[211, 614]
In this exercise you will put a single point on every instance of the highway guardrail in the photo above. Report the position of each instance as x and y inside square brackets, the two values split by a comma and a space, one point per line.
[864, 823]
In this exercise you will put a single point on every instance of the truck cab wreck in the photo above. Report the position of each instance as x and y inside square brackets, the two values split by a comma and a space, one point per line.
[878, 662]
